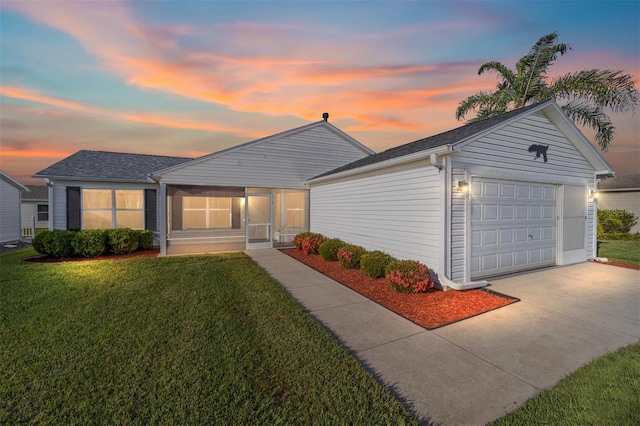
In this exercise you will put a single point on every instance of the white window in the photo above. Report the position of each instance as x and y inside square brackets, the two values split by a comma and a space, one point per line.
[206, 212]
[112, 208]
[43, 212]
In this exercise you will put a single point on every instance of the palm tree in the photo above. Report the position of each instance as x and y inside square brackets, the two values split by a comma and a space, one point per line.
[584, 94]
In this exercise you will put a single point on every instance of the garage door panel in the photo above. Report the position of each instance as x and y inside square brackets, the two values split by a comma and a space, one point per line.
[513, 226]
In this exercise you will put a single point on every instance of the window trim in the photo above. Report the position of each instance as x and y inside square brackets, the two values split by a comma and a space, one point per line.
[113, 209]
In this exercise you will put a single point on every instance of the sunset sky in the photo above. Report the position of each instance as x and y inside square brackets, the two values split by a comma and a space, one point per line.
[187, 78]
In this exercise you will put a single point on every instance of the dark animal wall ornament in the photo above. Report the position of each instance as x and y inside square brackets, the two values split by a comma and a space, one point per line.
[539, 150]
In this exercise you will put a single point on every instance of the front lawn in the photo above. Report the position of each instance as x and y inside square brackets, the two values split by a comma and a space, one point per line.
[603, 392]
[178, 340]
[621, 251]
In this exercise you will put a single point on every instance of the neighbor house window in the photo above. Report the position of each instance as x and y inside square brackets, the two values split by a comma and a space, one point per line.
[43, 212]
[207, 212]
[295, 209]
[112, 208]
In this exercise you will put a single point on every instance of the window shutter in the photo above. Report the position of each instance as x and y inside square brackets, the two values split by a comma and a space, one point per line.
[73, 208]
[150, 207]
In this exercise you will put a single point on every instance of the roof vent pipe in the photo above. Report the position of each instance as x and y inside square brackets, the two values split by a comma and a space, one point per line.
[325, 116]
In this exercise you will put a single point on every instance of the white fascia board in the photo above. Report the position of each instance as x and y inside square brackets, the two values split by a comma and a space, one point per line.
[52, 179]
[416, 156]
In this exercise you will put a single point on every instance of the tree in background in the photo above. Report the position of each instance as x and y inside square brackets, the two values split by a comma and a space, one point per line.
[584, 94]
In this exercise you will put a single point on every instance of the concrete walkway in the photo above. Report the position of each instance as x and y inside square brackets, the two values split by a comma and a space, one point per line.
[476, 370]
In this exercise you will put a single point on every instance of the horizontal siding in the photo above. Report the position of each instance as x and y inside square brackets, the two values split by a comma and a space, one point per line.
[284, 162]
[629, 201]
[507, 149]
[9, 212]
[396, 211]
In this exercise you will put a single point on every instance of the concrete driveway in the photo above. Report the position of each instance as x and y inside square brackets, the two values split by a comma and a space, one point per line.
[476, 370]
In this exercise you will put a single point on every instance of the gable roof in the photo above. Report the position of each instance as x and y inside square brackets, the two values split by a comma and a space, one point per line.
[456, 138]
[36, 192]
[286, 133]
[111, 166]
[12, 181]
[621, 183]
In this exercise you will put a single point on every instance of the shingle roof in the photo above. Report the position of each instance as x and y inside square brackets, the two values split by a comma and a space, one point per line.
[431, 142]
[36, 192]
[620, 183]
[109, 165]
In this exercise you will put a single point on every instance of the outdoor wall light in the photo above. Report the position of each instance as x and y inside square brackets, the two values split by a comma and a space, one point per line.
[463, 186]
[594, 194]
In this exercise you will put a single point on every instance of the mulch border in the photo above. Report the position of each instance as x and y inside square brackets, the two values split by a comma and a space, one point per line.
[486, 290]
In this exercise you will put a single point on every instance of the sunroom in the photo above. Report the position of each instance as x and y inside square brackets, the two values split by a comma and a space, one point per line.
[204, 219]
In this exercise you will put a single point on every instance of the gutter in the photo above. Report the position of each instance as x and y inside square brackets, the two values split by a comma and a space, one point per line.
[444, 281]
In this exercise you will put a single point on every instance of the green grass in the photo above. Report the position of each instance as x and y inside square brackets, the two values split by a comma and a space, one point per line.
[621, 251]
[603, 392]
[179, 340]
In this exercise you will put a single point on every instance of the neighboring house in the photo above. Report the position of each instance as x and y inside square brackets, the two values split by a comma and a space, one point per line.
[35, 207]
[246, 197]
[621, 192]
[499, 196]
[10, 195]
[503, 195]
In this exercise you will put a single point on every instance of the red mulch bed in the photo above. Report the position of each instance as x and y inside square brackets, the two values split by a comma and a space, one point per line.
[109, 256]
[432, 309]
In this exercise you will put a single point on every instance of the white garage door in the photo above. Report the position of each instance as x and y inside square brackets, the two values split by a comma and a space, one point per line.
[513, 226]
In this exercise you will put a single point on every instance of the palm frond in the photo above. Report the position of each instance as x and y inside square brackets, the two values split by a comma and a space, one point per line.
[589, 115]
[506, 73]
[488, 104]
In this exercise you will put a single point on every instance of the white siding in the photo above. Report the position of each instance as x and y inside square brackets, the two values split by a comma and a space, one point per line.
[9, 212]
[503, 154]
[627, 200]
[395, 210]
[281, 162]
[58, 213]
[29, 209]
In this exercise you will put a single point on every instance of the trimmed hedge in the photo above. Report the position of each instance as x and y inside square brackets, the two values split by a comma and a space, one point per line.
[123, 240]
[90, 242]
[308, 242]
[328, 250]
[375, 263]
[619, 237]
[406, 276]
[145, 239]
[616, 221]
[349, 256]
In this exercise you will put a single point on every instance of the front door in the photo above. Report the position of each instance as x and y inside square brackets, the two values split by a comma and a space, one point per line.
[259, 221]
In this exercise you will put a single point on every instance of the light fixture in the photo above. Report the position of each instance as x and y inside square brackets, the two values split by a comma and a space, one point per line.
[463, 186]
[594, 194]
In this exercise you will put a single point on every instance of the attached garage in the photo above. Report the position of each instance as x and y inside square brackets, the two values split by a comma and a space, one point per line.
[504, 195]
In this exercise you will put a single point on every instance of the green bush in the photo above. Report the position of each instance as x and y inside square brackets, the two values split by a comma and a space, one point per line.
[90, 242]
[40, 241]
[616, 221]
[308, 242]
[58, 243]
[374, 264]
[408, 276]
[145, 239]
[328, 250]
[123, 240]
[349, 256]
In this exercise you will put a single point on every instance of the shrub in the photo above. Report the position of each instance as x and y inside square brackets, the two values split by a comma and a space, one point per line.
[375, 263]
[408, 276]
[349, 256]
[308, 242]
[90, 242]
[40, 241]
[145, 239]
[328, 250]
[123, 240]
[616, 221]
[619, 237]
[58, 243]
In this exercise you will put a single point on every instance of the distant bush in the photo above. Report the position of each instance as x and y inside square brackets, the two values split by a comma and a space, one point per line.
[90, 242]
[145, 239]
[619, 237]
[328, 250]
[308, 242]
[616, 221]
[349, 256]
[122, 240]
[408, 276]
[374, 264]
